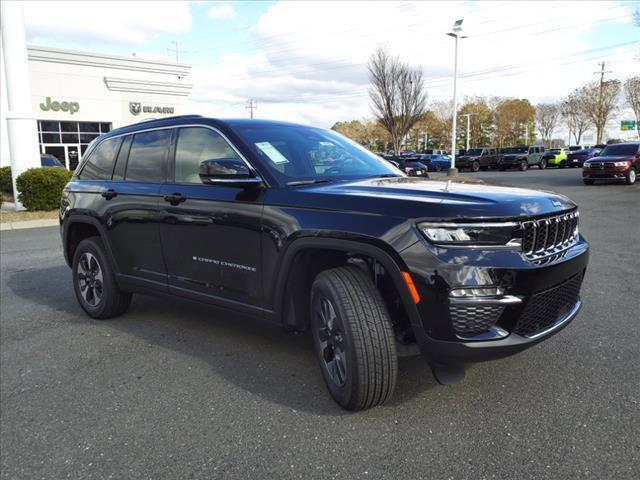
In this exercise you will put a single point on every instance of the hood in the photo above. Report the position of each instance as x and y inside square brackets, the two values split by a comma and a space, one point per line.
[421, 198]
[612, 158]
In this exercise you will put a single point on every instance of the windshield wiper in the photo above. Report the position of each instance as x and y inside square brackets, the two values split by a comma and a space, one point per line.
[307, 182]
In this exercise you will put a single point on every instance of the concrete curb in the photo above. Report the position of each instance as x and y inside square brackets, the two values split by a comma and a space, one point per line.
[49, 222]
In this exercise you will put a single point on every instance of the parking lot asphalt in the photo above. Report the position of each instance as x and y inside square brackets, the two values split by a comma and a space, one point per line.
[176, 390]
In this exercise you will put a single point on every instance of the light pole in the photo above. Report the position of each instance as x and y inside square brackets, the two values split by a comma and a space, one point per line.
[457, 27]
[468, 115]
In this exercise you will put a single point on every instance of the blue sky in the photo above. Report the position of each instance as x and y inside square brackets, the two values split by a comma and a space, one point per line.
[306, 61]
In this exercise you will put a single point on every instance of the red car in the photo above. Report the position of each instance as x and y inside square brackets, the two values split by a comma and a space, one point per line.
[620, 162]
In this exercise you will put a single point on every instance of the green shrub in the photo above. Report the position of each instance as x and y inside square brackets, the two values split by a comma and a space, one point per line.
[41, 188]
[5, 180]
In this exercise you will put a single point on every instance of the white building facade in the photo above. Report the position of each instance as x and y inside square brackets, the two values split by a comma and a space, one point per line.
[76, 96]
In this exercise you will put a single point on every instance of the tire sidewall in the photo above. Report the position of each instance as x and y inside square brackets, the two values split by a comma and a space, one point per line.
[342, 394]
[632, 176]
[475, 167]
[93, 246]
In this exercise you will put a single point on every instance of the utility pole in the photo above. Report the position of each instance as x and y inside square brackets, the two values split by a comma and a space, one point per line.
[601, 72]
[176, 50]
[251, 106]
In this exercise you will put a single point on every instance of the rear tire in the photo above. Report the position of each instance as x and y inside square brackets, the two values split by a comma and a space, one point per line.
[563, 164]
[523, 166]
[353, 338]
[94, 282]
[631, 177]
[543, 164]
[475, 166]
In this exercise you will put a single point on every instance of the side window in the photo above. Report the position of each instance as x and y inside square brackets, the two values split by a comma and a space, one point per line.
[121, 161]
[148, 157]
[196, 144]
[99, 165]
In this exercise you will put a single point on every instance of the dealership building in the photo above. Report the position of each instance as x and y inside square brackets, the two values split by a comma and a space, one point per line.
[76, 96]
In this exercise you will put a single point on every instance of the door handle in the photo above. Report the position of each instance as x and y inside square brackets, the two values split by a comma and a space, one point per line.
[175, 198]
[109, 194]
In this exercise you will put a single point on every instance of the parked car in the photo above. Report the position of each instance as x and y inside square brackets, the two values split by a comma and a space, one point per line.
[522, 157]
[414, 168]
[578, 157]
[435, 162]
[241, 214]
[574, 148]
[477, 158]
[619, 162]
[48, 160]
[556, 157]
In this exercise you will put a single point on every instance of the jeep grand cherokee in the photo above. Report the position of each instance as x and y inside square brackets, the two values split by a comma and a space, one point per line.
[300, 226]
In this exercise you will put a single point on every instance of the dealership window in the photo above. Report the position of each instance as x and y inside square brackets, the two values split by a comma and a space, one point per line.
[148, 157]
[63, 139]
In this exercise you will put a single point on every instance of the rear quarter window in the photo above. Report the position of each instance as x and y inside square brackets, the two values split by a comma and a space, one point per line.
[99, 165]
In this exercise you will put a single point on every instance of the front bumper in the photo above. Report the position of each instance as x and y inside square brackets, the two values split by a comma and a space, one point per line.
[519, 318]
[611, 173]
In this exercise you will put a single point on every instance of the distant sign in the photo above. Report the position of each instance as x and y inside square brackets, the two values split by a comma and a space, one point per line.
[627, 125]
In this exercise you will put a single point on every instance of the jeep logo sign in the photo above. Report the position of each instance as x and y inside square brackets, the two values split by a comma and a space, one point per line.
[136, 108]
[71, 107]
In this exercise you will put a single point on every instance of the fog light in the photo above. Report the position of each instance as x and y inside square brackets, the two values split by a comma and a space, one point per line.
[477, 292]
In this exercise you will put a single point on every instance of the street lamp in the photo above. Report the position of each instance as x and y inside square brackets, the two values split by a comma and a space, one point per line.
[457, 27]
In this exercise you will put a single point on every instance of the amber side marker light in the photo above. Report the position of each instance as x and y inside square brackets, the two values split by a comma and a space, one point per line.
[412, 288]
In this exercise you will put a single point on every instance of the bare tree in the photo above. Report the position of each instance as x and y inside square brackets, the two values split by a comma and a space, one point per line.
[599, 102]
[574, 111]
[632, 96]
[397, 93]
[547, 115]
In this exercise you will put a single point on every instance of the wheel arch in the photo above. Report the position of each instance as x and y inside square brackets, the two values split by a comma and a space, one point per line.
[77, 228]
[291, 294]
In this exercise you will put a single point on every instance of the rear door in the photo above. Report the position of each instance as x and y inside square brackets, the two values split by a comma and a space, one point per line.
[132, 217]
[210, 234]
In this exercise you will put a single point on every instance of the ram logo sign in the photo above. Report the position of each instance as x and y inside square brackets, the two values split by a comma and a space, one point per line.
[136, 108]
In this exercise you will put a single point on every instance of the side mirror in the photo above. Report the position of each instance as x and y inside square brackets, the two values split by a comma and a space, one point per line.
[230, 172]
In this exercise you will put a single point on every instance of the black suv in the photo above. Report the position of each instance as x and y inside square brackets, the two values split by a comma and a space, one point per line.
[302, 227]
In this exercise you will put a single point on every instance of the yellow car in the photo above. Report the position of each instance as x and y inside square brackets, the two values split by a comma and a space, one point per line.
[556, 157]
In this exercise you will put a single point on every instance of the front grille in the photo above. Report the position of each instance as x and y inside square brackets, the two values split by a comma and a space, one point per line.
[547, 307]
[549, 235]
[602, 165]
[470, 320]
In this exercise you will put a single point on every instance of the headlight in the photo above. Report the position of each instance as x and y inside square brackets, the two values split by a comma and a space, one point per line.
[621, 164]
[476, 234]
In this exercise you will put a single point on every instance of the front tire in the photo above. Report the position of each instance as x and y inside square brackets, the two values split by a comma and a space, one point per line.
[94, 282]
[475, 167]
[523, 166]
[631, 177]
[543, 164]
[353, 338]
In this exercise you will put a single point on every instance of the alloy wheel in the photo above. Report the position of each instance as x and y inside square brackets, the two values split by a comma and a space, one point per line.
[331, 341]
[90, 279]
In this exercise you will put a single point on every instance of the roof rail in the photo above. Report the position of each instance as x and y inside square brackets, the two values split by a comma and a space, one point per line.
[165, 118]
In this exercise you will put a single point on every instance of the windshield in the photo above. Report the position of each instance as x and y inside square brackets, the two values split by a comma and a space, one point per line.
[619, 150]
[474, 152]
[295, 152]
[516, 150]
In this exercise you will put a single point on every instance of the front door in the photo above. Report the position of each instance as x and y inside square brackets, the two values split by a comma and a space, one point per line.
[210, 234]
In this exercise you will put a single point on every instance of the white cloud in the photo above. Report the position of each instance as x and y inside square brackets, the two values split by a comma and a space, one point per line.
[222, 11]
[95, 22]
[311, 59]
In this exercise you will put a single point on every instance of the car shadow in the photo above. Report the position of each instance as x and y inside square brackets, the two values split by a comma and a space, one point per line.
[256, 356]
